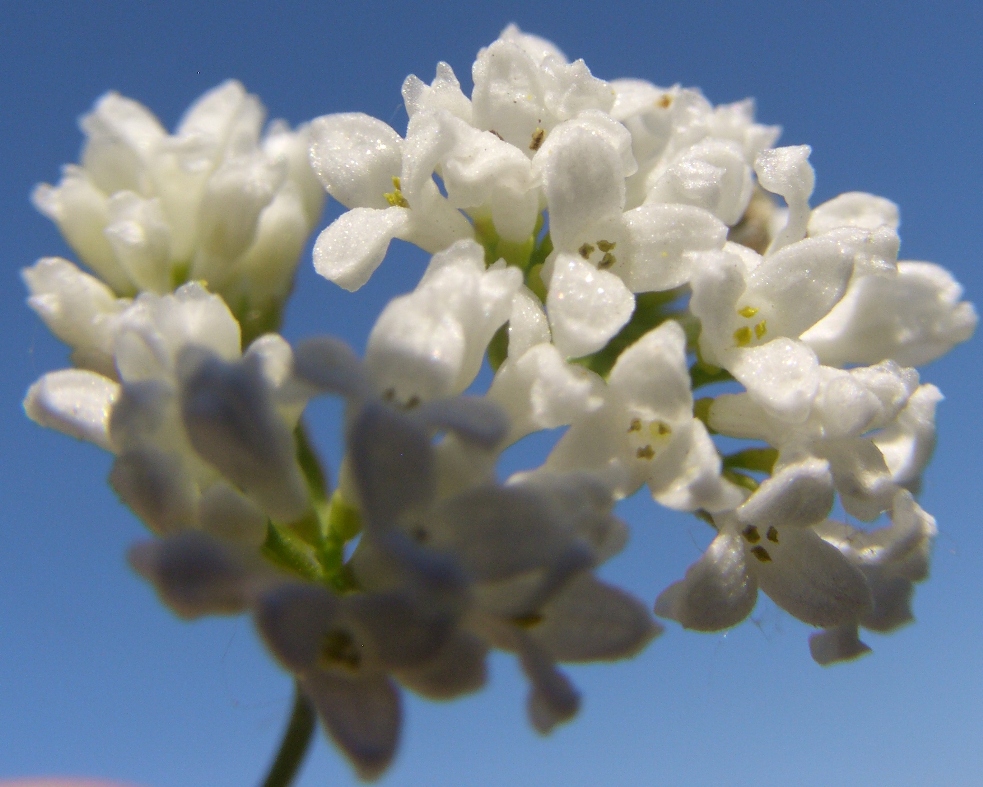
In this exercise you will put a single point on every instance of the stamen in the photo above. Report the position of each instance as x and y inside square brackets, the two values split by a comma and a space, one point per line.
[772, 535]
[607, 261]
[742, 336]
[751, 534]
[761, 554]
[748, 312]
[606, 245]
[537, 138]
[635, 426]
[760, 329]
[645, 453]
[395, 198]
[585, 251]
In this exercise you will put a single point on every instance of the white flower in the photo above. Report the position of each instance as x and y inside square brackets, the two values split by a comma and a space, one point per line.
[841, 426]
[770, 542]
[525, 550]
[430, 343]
[645, 432]
[892, 559]
[359, 160]
[202, 434]
[147, 211]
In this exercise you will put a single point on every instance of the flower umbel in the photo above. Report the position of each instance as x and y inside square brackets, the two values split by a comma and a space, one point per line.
[617, 253]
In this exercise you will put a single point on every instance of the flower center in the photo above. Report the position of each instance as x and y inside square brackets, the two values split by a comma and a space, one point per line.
[753, 536]
[648, 438]
[339, 650]
[752, 328]
[599, 253]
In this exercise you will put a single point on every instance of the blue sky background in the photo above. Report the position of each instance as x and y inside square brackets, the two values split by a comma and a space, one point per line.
[97, 679]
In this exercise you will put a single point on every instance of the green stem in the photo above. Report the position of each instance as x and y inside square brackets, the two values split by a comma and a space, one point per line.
[296, 741]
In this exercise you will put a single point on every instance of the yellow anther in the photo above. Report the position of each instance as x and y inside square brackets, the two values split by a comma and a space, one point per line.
[537, 138]
[751, 534]
[748, 311]
[761, 554]
[395, 198]
[760, 329]
[742, 336]
[772, 535]
[659, 429]
[607, 261]
[585, 251]
[635, 426]
[666, 101]
[606, 245]
[645, 452]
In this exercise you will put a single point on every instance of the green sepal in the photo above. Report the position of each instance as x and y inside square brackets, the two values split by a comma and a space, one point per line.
[291, 554]
[757, 460]
[498, 347]
[702, 373]
[650, 312]
[740, 479]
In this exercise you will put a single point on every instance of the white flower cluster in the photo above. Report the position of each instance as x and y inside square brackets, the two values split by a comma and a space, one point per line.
[615, 250]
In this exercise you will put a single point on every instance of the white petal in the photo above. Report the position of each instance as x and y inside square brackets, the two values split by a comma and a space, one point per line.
[912, 317]
[797, 496]
[141, 238]
[226, 513]
[443, 93]
[592, 621]
[475, 419]
[234, 196]
[907, 444]
[695, 483]
[586, 306]
[787, 171]
[391, 463]
[81, 212]
[354, 245]
[356, 157]
[571, 89]
[540, 390]
[854, 209]
[812, 580]
[78, 308]
[158, 488]
[659, 238]
[711, 175]
[74, 401]
[332, 366]
[841, 643]
[457, 668]
[800, 284]
[717, 592]
[597, 442]
[782, 376]
[652, 374]
[361, 714]
[195, 575]
[582, 180]
[508, 94]
[528, 325]
[231, 422]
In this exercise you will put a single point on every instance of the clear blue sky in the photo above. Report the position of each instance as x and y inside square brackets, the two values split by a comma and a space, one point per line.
[97, 679]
